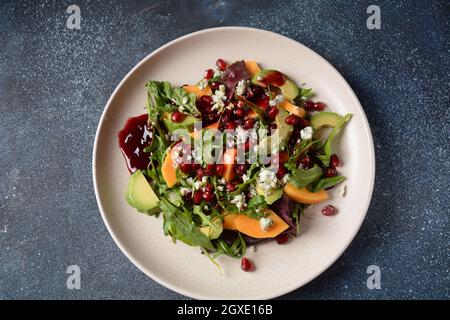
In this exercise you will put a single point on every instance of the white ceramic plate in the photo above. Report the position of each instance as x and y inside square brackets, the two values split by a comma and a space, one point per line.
[280, 269]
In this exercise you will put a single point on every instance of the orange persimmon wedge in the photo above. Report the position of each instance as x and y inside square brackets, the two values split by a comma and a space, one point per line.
[293, 109]
[303, 195]
[196, 90]
[229, 220]
[252, 227]
[229, 159]
[214, 125]
[168, 170]
[252, 67]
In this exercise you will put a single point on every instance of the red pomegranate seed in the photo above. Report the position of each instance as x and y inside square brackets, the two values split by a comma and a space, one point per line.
[210, 169]
[305, 162]
[200, 174]
[283, 157]
[240, 169]
[334, 161]
[198, 195]
[177, 116]
[196, 166]
[281, 172]
[273, 126]
[303, 123]
[208, 74]
[209, 187]
[282, 239]
[230, 126]
[240, 104]
[230, 186]
[247, 265]
[215, 86]
[330, 172]
[188, 195]
[206, 99]
[272, 113]
[239, 113]
[220, 169]
[249, 123]
[291, 120]
[308, 105]
[208, 196]
[185, 167]
[319, 106]
[221, 64]
[328, 210]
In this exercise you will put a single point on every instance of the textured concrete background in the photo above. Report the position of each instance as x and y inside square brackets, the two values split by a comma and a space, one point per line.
[54, 83]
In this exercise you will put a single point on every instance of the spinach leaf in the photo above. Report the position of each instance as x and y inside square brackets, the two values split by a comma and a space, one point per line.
[180, 226]
[325, 157]
[302, 177]
[326, 183]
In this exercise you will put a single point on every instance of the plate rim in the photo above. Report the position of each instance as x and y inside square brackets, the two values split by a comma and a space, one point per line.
[175, 288]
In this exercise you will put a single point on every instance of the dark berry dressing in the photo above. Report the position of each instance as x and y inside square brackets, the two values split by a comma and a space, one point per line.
[133, 138]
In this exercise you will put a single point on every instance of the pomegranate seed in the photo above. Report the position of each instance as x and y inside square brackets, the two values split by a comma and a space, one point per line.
[196, 166]
[302, 123]
[305, 162]
[231, 186]
[247, 265]
[283, 156]
[281, 172]
[291, 120]
[241, 169]
[206, 99]
[200, 174]
[230, 126]
[210, 169]
[239, 113]
[282, 239]
[249, 123]
[334, 161]
[185, 167]
[273, 126]
[198, 195]
[209, 187]
[208, 196]
[272, 113]
[220, 169]
[221, 64]
[319, 106]
[188, 195]
[240, 104]
[308, 105]
[177, 117]
[208, 74]
[328, 210]
[330, 172]
[215, 86]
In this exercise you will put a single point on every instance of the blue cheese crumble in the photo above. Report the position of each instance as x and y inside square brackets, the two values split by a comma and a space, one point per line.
[306, 133]
[265, 223]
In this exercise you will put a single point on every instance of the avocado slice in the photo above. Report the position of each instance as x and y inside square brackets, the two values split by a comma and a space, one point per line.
[269, 77]
[214, 230]
[270, 197]
[325, 119]
[284, 132]
[187, 123]
[289, 89]
[140, 194]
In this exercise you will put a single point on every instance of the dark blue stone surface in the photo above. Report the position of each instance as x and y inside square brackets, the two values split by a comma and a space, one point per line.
[54, 84]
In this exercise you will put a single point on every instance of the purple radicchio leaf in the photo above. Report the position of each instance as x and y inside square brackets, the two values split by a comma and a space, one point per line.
[233, 74]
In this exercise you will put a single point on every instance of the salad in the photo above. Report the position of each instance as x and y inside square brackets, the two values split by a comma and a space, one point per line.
[232, 160]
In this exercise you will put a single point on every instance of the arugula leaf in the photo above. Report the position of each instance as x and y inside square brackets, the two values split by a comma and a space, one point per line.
[296, 213]
[325, 158]
[257, 203]
[237, 249]
[326, 183]
[306, 93]
[302, 177]
[180, 226]
[299, 150]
